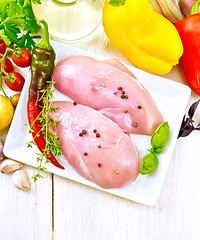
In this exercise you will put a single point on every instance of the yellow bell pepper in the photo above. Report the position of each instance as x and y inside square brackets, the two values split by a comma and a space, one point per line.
[146, 38]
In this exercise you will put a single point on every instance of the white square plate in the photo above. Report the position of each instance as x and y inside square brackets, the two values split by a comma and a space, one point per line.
[170, 97]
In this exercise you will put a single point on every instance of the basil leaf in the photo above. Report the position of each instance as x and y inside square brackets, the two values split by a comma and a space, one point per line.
[193, 108]
[150, 163]
[187, 125]
[160, 137]
[117, 2]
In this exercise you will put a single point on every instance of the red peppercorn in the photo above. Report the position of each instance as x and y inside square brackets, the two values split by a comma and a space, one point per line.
[120, 88]
[98, 135]
[99, 164]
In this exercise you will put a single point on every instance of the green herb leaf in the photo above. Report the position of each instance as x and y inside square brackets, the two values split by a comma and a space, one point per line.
[30, 23]
[160, 137]
[36, 177]
[36, 1]
[26, 41]
[14, 9]
[117, 2]
[16, 15]
[31, 26]
[15, 22]
[150, 163]
[4, 37]
[158, 141]
[48, 130]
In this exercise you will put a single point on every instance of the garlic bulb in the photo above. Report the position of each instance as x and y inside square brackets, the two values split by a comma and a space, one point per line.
[8, 166]
[20, 180]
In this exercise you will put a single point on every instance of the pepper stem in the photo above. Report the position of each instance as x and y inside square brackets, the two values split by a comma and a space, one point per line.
[117, 3]
[44, 43]
[195, 8]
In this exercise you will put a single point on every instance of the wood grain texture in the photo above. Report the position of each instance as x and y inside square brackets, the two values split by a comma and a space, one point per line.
[84, 213]
[26, 215]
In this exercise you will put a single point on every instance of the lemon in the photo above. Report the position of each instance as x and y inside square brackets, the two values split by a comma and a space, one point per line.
[6, 112]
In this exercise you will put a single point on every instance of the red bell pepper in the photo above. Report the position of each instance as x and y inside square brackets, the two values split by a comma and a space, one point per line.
[189, 31]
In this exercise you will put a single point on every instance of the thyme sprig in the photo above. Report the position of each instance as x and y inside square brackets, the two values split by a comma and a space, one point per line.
[48, 129]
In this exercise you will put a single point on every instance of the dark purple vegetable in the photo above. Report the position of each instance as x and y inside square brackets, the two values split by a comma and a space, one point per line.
[187, 125]
[1, 150]
[186, 6]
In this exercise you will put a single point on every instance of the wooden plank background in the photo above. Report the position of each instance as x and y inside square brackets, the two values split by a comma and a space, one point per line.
[60, 209]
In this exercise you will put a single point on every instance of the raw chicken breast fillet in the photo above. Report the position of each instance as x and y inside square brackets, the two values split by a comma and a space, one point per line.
[109, 87]
[95, 146]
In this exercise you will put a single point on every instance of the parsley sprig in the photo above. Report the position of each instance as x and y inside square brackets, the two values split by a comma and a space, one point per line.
[48, 130]
[17, 23]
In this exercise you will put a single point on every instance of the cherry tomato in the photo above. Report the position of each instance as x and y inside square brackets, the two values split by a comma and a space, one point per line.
[18, 84]
[24, 60]
[8, 67]
[2, 47]
[15, 99]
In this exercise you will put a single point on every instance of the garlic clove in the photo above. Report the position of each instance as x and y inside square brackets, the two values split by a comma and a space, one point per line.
[8, 166]
[20, 180]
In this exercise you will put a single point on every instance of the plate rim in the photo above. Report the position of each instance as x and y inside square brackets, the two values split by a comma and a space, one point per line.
[184, 90]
